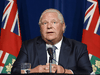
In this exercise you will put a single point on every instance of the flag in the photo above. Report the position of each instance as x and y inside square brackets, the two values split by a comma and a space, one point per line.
[10, 39]
[91, 34]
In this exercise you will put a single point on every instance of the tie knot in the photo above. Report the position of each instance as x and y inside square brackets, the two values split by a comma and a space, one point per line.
[54, 47]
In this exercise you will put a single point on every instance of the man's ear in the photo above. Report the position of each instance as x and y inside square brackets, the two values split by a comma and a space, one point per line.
[64, 27]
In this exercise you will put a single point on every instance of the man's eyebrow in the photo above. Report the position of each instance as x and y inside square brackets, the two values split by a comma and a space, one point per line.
[43, 20]
[54, 20]
[46, 20]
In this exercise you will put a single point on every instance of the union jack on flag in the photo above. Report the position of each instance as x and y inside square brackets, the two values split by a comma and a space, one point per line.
[91, 34]
[91, 17]
[10, 40]
[10, 16]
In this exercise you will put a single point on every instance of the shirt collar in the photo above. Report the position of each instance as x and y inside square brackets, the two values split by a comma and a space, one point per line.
[58, 45]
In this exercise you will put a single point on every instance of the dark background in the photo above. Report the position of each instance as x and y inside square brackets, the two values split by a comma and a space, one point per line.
[30, 11]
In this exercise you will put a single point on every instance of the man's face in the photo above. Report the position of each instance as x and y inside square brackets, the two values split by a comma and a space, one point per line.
[51, 28]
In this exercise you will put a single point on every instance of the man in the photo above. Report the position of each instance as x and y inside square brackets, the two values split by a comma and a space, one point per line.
[71, 55]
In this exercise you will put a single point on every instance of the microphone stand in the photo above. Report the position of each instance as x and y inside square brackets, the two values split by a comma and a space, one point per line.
[50, 51]
[50, 64]
[50, 59]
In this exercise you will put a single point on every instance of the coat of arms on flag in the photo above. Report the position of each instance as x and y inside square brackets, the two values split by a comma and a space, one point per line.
[8, 61]
[95, 64]
[91, 34]
[10, 39]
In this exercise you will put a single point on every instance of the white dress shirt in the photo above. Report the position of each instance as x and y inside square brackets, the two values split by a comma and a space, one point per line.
[58, 45]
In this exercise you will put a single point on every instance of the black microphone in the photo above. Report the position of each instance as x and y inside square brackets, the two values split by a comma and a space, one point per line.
[50, 52]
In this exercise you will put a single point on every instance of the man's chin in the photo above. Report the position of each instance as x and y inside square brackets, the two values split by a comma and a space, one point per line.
[50, 39]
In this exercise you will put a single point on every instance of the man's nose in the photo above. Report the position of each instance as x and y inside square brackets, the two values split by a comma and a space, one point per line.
[49, 25]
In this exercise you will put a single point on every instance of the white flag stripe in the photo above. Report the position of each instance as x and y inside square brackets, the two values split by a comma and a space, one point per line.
[90, 56]
[97, 26]
[90, 14]
[13, 26]
[1, 53]
[18, 25]
[1, 68]
[5, 58]
[93, 73]
[7, 13]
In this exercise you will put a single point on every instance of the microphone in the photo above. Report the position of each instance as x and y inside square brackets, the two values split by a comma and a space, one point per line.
[50, 52]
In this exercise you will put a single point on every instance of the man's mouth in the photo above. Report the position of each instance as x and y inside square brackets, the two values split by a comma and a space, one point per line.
[50, 32]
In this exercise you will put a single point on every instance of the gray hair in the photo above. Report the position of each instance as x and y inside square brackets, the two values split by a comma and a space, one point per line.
[60, 16]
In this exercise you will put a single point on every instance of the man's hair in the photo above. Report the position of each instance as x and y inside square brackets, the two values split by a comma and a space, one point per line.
[60, 16]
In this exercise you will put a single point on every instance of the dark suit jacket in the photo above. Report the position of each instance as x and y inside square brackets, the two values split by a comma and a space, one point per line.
[73, 55]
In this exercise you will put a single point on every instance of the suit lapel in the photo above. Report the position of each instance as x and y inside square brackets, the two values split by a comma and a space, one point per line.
[41, 50]
[64, 53]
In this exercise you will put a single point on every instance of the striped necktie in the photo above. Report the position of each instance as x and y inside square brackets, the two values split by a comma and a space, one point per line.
[54, 55]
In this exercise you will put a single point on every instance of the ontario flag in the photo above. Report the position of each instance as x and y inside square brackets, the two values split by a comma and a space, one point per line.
[10, 39]
[91, 34]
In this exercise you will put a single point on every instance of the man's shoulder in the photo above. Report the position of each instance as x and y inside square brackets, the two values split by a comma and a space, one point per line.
[74, 42]
[76, 46]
